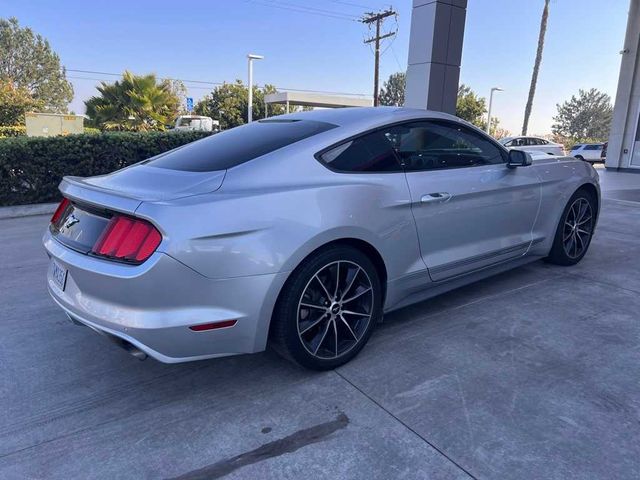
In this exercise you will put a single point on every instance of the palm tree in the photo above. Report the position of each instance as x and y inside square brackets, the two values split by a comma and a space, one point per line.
[136, 103]
[536, 66]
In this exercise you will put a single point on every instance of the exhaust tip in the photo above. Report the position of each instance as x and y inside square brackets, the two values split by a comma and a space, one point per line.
[134, 351]
[129, 347]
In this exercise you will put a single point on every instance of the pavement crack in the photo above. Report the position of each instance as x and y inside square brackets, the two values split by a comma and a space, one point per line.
[379, 405]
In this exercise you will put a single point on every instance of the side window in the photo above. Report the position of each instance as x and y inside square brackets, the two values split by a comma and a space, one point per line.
[437, 145]
[369, 153]
[510, 143]
[544, 142]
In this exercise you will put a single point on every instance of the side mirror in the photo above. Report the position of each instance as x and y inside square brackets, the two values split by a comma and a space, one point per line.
[519, 158]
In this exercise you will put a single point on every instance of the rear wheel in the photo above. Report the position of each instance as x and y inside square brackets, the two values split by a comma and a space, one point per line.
[328, 308]
[574, 232]
[580, 157]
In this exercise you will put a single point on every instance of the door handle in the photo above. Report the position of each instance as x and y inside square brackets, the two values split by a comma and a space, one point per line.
[436, 197]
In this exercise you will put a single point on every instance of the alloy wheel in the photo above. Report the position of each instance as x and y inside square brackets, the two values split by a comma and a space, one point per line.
[335, 309]
[578, 227]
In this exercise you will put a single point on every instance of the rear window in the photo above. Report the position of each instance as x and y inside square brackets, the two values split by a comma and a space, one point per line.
[238, 145]
[576, 147]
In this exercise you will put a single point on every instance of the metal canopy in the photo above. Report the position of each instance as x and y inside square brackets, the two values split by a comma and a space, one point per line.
[312, 99]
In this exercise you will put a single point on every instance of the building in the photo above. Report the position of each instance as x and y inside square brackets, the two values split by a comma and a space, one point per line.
[623, 152]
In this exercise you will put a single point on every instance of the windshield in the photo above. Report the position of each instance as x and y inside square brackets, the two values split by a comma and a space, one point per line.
[238, 145]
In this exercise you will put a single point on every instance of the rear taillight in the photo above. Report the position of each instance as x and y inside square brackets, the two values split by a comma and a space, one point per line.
[60, 210]
[127, 238]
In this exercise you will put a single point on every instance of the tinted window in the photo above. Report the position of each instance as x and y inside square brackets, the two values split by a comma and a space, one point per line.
[434, 145]
[576, 147]
[238, 145]
[369, 153]
[593, 147]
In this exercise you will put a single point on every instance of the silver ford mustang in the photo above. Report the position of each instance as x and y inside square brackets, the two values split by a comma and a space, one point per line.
[299, 231]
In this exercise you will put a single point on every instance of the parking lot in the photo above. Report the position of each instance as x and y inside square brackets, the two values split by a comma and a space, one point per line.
[530, 374]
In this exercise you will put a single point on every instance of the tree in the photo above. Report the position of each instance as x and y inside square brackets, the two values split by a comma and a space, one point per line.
[14, 103]
[228, 104]
[392, 91]
[27, 60]
[585, 117]
[536, 66]
[135, 103]
[470, 107]
[178, 88]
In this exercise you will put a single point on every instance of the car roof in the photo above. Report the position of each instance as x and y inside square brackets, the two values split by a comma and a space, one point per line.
[366, 117]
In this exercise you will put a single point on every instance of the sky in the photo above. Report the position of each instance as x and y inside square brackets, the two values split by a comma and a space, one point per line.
[318, 45]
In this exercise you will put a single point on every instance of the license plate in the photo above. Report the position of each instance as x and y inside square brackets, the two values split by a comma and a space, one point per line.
[58, 275]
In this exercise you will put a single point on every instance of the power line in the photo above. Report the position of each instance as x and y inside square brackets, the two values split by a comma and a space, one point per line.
[314, 9]
[351, 4]
[303, 9]
[393, 51]
[203, 82]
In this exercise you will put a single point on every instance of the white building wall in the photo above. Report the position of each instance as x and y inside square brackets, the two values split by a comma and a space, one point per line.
[627, 103]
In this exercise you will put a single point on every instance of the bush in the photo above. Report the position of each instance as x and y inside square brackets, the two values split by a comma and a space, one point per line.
[31, 167]
[91, 130]
[14, 131]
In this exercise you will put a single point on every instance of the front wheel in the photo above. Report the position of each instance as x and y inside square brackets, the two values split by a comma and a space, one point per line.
[574, 232]
[328, 308]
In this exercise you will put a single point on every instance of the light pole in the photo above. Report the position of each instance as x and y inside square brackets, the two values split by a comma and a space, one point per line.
[494, 89]
[251, 58]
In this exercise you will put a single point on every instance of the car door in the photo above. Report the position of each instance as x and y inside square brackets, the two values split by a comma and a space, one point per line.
[592, 152]
[534, 144]
[471, 210]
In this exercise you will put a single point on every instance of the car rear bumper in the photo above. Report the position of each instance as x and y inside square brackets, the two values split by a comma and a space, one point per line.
[151, 306]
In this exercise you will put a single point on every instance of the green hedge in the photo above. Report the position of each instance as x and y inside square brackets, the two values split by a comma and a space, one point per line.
[31, 167]
[14, 131]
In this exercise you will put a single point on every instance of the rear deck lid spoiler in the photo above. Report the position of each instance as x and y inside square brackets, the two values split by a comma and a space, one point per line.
[126, 189]
[74, 188]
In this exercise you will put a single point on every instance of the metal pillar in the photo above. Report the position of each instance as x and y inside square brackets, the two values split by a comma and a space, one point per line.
[435, 53]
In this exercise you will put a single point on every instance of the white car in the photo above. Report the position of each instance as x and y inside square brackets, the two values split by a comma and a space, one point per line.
[591, 152]
[533, 144]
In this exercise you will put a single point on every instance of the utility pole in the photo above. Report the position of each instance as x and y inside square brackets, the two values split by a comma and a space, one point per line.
[377, 18]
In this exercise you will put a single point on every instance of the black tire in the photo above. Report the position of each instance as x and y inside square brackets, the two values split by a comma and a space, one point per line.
[350, 314]
[580, 157]
[573, 223]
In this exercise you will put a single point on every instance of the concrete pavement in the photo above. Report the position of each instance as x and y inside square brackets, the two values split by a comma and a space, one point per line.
[530, 374]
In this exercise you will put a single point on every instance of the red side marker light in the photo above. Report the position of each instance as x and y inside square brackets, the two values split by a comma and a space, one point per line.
[213, 326]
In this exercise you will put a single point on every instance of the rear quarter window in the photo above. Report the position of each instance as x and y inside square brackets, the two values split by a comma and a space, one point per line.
[372, 152]
[238, 145]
